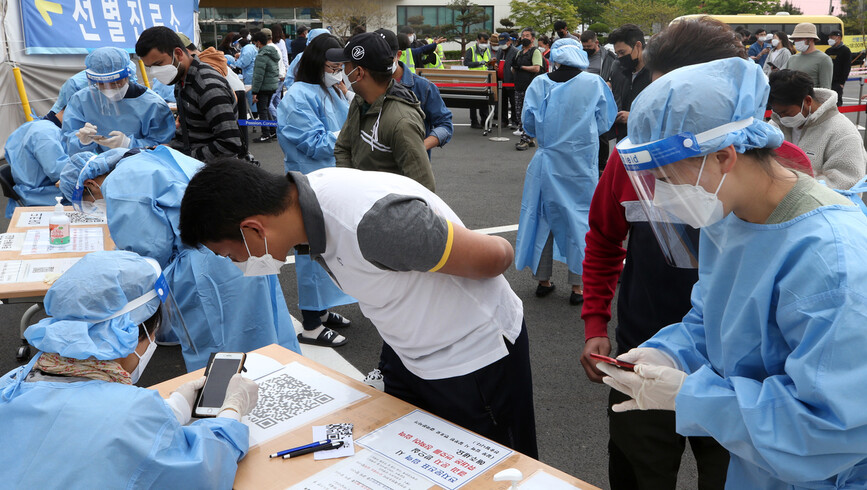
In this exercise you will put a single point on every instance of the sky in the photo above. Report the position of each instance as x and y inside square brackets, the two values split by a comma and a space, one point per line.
[817, 7]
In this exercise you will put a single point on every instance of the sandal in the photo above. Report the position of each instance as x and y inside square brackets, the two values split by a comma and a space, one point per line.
[336, 321]
[326, 338]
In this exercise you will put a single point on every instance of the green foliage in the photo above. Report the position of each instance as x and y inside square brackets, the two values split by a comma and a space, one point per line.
[599, 28]
[650, 15]
[467, 14]
[507, 24]
[452, 54]
[589, 11]
[787, 6]
[855, 16]
[541, 14]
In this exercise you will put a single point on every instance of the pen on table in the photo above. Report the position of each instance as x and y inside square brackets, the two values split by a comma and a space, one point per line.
[287, 451]
[301, 452]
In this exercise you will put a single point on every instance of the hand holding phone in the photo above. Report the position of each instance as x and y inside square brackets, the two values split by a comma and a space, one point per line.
[628, 366]
[221, 367]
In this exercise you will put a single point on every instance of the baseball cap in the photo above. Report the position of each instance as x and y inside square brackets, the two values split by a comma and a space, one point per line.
[504, 37]
[266, 31]
[368, 49]
[185, 40]
[391, 38]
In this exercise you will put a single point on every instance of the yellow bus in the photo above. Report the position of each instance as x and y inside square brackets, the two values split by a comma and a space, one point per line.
[782, 21]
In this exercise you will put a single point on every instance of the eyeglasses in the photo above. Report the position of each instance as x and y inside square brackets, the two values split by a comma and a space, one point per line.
[333, 68]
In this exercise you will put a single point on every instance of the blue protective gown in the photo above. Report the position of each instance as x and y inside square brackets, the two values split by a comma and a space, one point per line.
[146, 119]
[223, 310]
[167, 92]
[36, 154]
[566, 118]
[79, 81]
[774, 346]
[97, 434]
[306, 121]
[247, 62]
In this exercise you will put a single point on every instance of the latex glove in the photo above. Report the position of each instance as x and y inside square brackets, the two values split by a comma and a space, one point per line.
[182, 400]
[242, 394]
[648, 355]
[651, 387]
[86, 134]
[115, 139]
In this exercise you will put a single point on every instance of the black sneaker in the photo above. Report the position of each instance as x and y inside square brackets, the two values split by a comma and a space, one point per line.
[522, 145]
[262, 139]
[542, 291]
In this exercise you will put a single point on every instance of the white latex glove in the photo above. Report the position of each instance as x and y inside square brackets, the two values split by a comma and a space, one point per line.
[182, 400]
[648, 355]
[242, 394]
[86, 134]
[115, 139]
[651, 387]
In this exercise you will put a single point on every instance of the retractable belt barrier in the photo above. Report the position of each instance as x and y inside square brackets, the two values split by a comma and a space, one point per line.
[843, 109]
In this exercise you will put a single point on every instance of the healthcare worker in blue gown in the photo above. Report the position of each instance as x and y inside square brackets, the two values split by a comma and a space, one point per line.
[566, 111]
[36, 156]
[308, 120]
[114, 111]
[296, 61]
[141, 193]
[79, 81]
[770, 359]
[72, 417]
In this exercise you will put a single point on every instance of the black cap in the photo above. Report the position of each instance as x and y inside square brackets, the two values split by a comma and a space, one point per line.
[369, 50]
[390, 38]
[836, 33]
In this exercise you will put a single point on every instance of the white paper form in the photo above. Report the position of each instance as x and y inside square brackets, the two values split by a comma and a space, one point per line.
[81, 240]
[11, 241]
[36, 270]
[364, 470]
[442, 452]
[9, 270]
[294, 396]
[334, 432]
[257, 366]
[545, 481]
[31, 219]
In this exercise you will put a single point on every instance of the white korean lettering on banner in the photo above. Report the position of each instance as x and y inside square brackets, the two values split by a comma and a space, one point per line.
[156, 15]
[136, 16]
[111, 13]
[84, 9]
[173, 21]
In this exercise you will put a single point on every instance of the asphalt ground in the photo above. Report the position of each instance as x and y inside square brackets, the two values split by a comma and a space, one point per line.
[482, 181]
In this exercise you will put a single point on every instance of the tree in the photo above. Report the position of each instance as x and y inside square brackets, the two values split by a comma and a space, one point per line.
[343, 17]
[855, 18]
[541, 14]
[787, 6]
[650, 15]
[467, 14]
[589, 11]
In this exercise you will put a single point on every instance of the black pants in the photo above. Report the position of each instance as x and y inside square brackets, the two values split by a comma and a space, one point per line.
[264, 99]
[604, 151]
[482, 109]
[495, 401]
[644, 451]
[838, 87]
[311, 319]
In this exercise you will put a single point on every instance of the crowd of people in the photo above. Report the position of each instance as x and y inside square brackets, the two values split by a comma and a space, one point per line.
[742, 288]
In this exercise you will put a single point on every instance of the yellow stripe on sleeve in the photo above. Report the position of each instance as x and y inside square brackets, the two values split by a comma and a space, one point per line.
[448, 250]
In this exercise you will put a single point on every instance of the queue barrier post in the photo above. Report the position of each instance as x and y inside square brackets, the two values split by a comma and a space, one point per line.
[499, 137]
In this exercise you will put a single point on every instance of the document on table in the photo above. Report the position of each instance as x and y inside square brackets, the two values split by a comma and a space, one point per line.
[36, 270]
[293, 396]
[81, 240]
[11, 241]
[440, 451]
[31, 219]
[9, 270]
[545, 481]
[364, 470]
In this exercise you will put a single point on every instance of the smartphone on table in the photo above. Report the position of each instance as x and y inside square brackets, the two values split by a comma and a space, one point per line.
[614, 362]
[221, 367]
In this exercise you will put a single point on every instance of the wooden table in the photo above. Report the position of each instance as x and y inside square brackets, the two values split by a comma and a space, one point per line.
[256, 471]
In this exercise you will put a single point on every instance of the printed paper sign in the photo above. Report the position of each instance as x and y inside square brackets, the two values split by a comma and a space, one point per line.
[9, 270]
[364, 470]
[81, 240]
[440, 451]
[30, 219]
[11, 241]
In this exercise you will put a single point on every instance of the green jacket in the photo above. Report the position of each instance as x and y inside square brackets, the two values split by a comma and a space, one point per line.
[388, 137]
[266, 73]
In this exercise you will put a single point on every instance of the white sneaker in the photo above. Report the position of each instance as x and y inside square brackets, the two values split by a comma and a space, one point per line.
[517, 132]
[374, 379]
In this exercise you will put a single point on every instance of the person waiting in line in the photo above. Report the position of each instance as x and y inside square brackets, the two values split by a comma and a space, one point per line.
[78, 395]
[780, 54]
[114, 111]
[505, 57]
[207, 107]
[603, 63]
[644, 450]
[224, 307]
[633, 77]
[246, 62]
[769, 359]
[841, 58]
[278, 37]
[479, 57]
[36, 157]
[545, 48]
[563, 173]
[809, 118]
[302, 39]
[438, 126]
[760, 49]
[308, 120]
[528, 63]
[384, 128]
[810, 60]
[433, 289]
[562, 30]
[266, 80]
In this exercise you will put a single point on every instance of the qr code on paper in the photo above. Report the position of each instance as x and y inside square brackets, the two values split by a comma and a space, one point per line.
[284, 397]
[338, 432]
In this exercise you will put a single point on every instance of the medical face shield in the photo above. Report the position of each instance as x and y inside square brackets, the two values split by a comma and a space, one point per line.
[83, 199]
[670, 191]
[106, 90]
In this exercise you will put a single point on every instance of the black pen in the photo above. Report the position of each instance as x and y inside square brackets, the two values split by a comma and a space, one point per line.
[302, 452]
[287, 451]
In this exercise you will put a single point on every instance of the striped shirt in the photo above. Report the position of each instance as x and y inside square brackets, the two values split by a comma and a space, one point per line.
[210, 112]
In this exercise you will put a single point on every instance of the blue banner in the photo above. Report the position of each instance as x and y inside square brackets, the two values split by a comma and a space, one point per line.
[80, 26]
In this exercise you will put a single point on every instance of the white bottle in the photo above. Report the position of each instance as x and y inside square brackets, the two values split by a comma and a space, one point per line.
[58, 227]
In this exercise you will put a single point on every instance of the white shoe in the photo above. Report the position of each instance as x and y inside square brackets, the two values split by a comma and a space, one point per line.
[517, 132]
[374, 379]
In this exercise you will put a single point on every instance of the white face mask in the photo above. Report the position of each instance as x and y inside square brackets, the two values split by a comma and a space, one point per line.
[797, 120]
[350, 83]
[692, 204]
[164, 73]
[115, 94]
[775, 43]
[411, 37]
[801, 46]
[483, 46]
[143, 361]
[265, 265]
[394, 67]
[332, 79]
[831, 42]
[249, 36]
